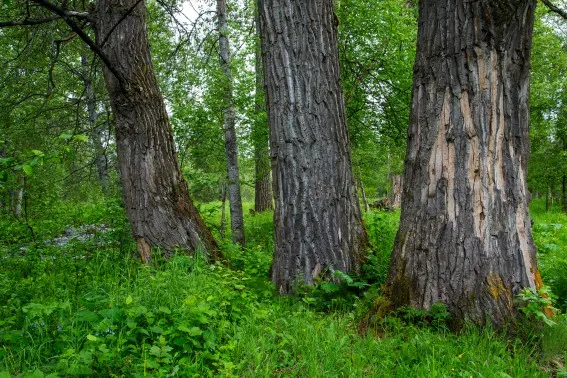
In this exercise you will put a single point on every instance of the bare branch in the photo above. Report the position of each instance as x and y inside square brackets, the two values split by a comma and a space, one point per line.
[28, 22]
[555, 9]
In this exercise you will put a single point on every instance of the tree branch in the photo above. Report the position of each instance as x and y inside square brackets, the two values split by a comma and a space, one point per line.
[28, 22]
[555, 9]
[81, 33]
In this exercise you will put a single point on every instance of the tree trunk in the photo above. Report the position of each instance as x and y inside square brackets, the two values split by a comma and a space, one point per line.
[260, 134]
[156, 196]
[564, 192]
[465, 234]
[395, 198]
[231, 147]
[18, 197]
[96, 130]
[547, 199]
[364, 199]
[223, 210]
[318, 222]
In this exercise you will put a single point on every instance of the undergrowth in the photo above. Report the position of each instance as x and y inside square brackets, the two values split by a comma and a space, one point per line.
[87, 308]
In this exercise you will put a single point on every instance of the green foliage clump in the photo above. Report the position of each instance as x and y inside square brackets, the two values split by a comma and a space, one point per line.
[550, 236]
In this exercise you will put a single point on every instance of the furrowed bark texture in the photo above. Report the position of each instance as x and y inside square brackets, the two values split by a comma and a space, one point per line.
[395, 198]
[156, 196]
[318, 224]
[230, 142]
[465, 234]
[263, 184]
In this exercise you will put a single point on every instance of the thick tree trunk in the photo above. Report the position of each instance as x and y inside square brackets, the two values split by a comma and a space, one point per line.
[260, 134]
[156, 196]
[465, 234]
[318, 223]
[231, 147]
[96, 130]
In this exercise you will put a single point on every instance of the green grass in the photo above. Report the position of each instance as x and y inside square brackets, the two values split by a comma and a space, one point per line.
[89, 309]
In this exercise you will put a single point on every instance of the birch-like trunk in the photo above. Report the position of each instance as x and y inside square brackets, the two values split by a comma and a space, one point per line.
[156, 196]
[364, 198]
[18, 197]
[465, 234]
[230, 141]
[318, 222]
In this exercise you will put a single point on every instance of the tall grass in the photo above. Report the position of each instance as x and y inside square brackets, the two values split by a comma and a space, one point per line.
[90, 309]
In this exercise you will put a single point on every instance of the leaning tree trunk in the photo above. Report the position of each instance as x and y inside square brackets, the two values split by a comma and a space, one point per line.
[231, 147]
[465, 234]
[318, 222]
[156, 196]
[101, 161]
[260, 134]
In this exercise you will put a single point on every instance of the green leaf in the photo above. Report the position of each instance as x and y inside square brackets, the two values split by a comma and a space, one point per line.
[91, 337]
[37, 153]
[4, 374]
[27, 169]
[155, 350]
[129, 300]
[81, 137]
[65, 136]
[156, 329]
[193, 331]
[165, 310]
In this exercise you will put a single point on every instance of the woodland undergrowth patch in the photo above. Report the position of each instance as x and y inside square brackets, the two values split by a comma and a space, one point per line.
[89, 309]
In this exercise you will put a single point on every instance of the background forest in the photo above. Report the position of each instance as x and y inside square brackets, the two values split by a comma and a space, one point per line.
[76, 300]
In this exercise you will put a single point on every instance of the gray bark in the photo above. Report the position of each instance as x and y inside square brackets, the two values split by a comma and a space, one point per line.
[395, 197]
[231, 147]
[465, 234]
[101, 161]
[317, 217]
[263, 186]
[156, 196]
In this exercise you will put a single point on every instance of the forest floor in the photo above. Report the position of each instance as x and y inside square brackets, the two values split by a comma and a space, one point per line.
[75, 303]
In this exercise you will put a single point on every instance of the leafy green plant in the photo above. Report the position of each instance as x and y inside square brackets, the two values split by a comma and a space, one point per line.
[535, 303]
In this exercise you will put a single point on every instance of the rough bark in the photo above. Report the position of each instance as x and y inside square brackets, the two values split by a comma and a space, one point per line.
[395, 197]
[231, 147]
[156, 196]
[465, 234]
[317, 217]
[262, 181]
[100, 159]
